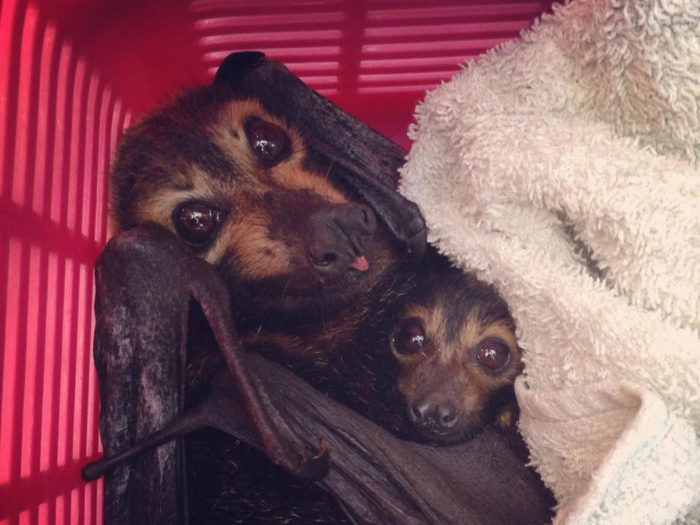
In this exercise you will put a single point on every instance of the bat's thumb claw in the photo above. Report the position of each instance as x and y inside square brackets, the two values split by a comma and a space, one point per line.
[322, 451]
[92, 471]
[315, 467]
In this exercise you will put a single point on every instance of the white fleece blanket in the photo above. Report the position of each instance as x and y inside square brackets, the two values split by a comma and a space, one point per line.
[564, 168]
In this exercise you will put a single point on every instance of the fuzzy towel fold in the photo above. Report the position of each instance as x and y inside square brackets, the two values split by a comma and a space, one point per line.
[564, 168]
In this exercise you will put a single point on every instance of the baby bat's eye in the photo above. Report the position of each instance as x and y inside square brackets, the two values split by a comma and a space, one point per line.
[492, 354]
[410, 339]
[268, 141]
[196, 222]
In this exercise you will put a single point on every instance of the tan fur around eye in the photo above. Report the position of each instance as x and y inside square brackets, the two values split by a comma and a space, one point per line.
[229, 134]
[469, 337]
[256, 255]
[483, 382]
[289, 173]
[503, 331]
[412, 311]
[158, 208]
[476, 330]
[188, 184]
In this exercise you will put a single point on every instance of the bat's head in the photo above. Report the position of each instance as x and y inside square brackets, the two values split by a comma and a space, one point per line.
[292, 198]
[458, 358]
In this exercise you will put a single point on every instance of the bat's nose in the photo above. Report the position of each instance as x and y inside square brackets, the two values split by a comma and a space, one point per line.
[337, 238]
[434, 416]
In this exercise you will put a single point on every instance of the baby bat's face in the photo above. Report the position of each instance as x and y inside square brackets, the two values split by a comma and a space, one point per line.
[458, 356]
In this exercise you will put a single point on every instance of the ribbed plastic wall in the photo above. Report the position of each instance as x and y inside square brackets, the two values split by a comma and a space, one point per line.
[73, 75]
[59, 124]
[362, 47]
[376, 58]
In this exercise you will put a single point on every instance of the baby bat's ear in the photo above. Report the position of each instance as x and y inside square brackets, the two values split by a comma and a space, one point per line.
[235, 65]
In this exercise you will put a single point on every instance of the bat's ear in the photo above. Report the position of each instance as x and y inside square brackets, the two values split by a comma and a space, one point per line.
[365, 160]
[235, 65]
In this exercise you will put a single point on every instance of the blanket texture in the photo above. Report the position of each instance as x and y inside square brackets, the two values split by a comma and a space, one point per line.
[564, 168]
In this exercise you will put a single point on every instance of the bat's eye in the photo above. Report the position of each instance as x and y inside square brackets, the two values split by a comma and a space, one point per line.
[197, 223]
[268, 141]
[492, 354]
[410, 338]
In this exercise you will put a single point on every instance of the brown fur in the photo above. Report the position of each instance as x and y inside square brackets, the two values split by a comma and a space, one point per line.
[457, 313]
[259, 245]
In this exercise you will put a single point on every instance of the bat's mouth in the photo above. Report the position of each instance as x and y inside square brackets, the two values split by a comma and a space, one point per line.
[352, 265]
[348, 281]
[445, 438]
[337, 239]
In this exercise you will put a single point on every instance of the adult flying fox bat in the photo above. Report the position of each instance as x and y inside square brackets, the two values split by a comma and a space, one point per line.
[257, 201]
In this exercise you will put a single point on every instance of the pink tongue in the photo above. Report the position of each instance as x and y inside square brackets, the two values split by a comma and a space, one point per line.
[360, 263]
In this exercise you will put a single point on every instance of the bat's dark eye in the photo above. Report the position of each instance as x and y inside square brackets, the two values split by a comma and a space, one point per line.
[196, 223]
[410, 339]
[492, 354]
[268, 141]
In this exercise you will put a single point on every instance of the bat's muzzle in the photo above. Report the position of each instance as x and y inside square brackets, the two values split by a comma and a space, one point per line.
[337, 237]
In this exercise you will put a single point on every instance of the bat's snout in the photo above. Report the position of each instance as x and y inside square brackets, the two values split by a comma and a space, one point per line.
[337, 237]
[434, 417]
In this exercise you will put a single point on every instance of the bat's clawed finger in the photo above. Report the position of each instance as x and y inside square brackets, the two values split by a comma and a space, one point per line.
[317, 466]
[178, 427]
[222, 409]
[311, 465]
[280, 443]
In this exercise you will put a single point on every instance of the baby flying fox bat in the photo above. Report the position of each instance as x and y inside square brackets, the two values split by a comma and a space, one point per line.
[458, 357]
[435, 363]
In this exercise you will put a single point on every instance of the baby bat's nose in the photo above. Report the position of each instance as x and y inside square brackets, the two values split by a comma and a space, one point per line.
[337, 237]
[434, 416]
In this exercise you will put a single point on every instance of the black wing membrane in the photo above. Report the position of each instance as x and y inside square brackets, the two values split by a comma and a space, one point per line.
[376, 478]
[146, 281]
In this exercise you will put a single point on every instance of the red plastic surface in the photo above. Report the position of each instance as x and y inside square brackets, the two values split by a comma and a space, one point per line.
[73, 75]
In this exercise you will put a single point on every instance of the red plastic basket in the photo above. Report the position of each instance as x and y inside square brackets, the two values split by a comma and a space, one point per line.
[73, 75]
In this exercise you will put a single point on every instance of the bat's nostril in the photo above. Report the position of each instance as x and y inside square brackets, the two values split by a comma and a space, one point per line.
[416, 413]
[327, 263]
[446, 415]
[367, 219]
[327, 259]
